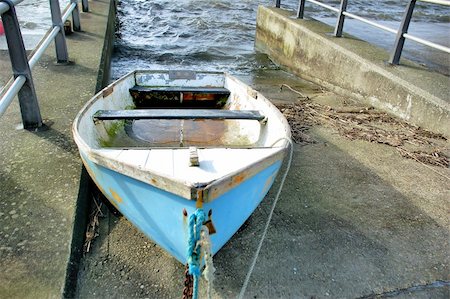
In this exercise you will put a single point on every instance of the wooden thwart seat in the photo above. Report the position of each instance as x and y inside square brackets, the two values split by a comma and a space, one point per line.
[177, 114]
[201, 90]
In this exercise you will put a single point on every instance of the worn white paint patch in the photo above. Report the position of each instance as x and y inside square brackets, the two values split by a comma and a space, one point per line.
[394, 109]
[408, 107]
[162, 78]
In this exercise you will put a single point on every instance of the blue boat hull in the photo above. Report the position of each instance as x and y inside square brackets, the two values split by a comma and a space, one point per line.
[159, 214]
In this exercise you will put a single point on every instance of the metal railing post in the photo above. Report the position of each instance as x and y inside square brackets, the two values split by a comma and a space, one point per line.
[60, 39]
[29, 106]
[76, 16]
[277, 3]
[400, 39]
[301, 9]
[85, 5]
[340, 22]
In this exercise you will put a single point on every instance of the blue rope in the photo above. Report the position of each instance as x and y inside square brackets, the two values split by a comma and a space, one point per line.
[193, 253]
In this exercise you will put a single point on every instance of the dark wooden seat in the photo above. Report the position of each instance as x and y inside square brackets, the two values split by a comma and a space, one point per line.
[177, 114]
[148, 97]
[200, 90]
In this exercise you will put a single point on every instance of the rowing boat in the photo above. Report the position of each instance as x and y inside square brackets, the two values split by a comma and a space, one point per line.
[161, 144]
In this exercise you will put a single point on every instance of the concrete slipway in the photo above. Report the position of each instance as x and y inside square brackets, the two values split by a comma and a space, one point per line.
[353, 68]
[355, 219]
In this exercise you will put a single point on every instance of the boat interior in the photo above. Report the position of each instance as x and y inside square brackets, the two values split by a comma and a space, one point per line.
[221, 114]
[214, 122]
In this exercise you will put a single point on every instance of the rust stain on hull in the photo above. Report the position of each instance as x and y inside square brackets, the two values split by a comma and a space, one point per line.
[116, 199]
[185, 221]
[239, 178]
[107, 91]
[268, 184]
[115, 196]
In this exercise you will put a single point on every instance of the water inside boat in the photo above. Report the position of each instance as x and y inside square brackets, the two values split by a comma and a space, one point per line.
[182, 132]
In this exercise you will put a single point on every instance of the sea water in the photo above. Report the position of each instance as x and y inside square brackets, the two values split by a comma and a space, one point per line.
[219, 34]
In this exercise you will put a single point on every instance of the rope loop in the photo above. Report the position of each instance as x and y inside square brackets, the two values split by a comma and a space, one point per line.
[194, 249]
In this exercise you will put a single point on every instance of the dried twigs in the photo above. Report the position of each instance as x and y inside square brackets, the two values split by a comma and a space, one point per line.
[294, 90]
[92, 228]
[367, 124]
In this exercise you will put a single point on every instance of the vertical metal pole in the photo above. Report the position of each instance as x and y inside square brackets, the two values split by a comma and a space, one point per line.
[277, 3]
[76, 16]
[85, 5]
[60, 39]
[301, 9]
[29, 106]
[400, 39]
[340, 22]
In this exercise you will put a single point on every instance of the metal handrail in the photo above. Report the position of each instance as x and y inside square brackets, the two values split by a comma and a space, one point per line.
[442, 2]
[402, 32]
[22, 83]
[329, 7]
[13, 88]
[5, 7]
[374, 24]
[426, 43]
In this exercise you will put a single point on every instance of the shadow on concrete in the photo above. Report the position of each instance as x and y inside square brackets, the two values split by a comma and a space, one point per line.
[339, 230]
[57, 138]
[83, 36]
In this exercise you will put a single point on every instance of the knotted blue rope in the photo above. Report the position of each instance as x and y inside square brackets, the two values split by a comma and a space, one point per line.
[193, 253]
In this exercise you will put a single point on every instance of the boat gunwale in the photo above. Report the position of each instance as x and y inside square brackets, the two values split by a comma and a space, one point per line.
[186, 189]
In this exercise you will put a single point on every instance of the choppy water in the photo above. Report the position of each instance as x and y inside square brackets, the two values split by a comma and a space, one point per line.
[219, 34]
[197, 34]
[34, 16]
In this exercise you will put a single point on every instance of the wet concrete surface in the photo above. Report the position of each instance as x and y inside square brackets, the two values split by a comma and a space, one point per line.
[355, 220]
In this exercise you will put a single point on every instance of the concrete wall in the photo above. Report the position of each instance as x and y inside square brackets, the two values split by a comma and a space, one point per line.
[354, 68]
[104, 72]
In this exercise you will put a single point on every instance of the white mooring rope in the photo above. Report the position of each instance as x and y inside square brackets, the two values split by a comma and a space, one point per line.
[266, 228]
[208, 272]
